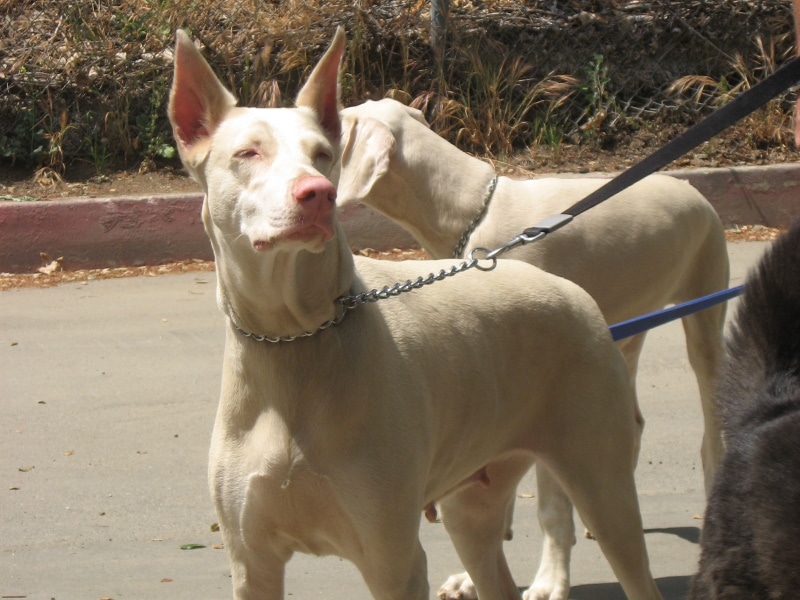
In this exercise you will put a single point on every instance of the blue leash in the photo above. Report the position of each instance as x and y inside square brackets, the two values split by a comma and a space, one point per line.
[632, 327]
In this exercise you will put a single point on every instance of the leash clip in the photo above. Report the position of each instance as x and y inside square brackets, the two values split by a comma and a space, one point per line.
[492, 255]
[531, 234]
[549, 225]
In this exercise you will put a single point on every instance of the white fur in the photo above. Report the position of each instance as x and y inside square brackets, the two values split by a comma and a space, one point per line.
[335, 443]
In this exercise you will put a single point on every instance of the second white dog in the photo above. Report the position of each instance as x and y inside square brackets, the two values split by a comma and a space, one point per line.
[658, 242]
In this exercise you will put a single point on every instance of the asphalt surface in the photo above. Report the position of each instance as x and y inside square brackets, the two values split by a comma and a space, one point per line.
[107, 401]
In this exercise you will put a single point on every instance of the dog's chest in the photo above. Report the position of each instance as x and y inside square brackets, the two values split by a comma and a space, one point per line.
[269, 489]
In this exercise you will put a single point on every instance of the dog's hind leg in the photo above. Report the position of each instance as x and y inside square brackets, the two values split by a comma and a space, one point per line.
[601, 485]
[475, 517]
[631, 349]
[710, 272]
[555, 518]
[704, 335]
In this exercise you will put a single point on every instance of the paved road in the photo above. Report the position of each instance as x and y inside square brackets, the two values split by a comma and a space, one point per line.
[107, 401]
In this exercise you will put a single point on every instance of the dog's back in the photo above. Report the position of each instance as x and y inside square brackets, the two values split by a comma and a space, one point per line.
[752, 525]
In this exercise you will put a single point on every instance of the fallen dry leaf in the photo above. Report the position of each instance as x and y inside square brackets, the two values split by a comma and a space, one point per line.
[50, 265]
[25, 280]
[752, 233]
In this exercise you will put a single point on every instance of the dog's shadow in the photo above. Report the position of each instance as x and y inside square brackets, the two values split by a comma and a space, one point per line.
[671, 588]
[690, 534]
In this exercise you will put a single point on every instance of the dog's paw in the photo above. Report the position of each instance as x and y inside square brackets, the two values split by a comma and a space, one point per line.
[458, 587]
[545, 591]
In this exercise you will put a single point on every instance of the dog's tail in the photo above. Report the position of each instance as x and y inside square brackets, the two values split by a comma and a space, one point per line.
[763, 362]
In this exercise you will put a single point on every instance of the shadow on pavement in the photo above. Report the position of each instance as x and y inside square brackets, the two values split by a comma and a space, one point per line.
[672, 588]
[690, 534]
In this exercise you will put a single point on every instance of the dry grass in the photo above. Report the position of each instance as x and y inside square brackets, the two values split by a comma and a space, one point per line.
[87, 81]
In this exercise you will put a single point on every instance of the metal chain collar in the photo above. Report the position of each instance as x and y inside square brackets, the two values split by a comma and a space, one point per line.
[288, 338]
[462, 241]
[477, 255]
[352, 301]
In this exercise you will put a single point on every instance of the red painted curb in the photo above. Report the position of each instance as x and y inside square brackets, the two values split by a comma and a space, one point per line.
[750, 195]
[109, 232]
[102, 232]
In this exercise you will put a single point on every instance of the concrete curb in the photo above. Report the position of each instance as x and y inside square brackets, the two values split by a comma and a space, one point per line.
[750, 195]
[131, 231]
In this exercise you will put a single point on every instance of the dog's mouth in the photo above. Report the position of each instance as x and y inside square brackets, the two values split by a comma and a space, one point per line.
[315, 233]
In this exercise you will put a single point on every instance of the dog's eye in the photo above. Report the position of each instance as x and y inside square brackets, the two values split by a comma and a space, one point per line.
[323, 156]
[247, 153]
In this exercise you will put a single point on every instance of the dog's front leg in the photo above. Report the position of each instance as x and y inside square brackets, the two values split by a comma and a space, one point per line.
[257, 577]
[393, 572]
[257, 559]
[555, 519]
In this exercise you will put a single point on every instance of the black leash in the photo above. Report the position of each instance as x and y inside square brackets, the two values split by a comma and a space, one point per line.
[744, 104]
[780, 81]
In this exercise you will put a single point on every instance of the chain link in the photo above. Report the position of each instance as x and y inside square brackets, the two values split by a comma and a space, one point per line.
[289, 338]
[354, 300]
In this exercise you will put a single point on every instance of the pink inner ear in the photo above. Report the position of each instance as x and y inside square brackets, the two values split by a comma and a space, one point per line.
[189, 116]
[198, 101]
[329, 119]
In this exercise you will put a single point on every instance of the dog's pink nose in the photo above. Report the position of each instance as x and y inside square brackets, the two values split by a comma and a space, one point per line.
[315, 194]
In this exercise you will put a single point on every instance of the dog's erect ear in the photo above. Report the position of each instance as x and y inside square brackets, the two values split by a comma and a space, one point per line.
[321, 91]
[197, 102]
[367, 149]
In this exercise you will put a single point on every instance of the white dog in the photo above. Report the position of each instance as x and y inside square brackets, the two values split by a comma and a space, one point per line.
[656, 243]
[334, 443]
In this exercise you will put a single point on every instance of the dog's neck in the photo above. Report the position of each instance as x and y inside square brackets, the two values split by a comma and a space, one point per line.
[441, 206]
[282, 292]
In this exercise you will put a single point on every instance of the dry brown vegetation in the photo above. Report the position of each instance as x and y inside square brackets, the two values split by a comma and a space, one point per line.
[85, 82]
